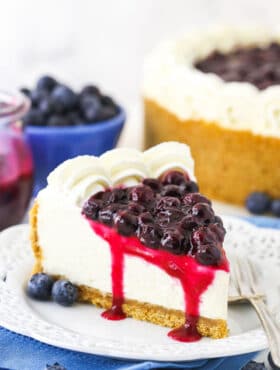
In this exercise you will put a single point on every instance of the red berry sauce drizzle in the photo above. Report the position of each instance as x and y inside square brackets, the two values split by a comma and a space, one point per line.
[165, 222]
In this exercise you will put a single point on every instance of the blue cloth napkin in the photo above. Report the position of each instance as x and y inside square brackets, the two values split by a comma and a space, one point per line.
[18, 352]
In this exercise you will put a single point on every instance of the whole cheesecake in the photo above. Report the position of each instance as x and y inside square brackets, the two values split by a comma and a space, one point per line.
[219, 92]
[131, 230]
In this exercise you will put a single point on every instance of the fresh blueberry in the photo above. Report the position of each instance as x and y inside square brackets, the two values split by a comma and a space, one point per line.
[55, 366]
[57, 120]
[64, 293]
[37, 96]
[106, 112]
[252, 365]
[63, 99]
[74, 118]
[46, 83]
[90, 107]
[34, 118]
[25, 91]
[40, 286]
[107, 101]
[89, 90]
[258, 202]
[275, 207]
[45, 106]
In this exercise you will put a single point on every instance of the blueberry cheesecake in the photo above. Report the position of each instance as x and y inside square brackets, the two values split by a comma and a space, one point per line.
[218, 91]
[132, 232]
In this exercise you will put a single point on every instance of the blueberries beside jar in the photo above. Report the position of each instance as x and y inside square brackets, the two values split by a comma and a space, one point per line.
[55, 104]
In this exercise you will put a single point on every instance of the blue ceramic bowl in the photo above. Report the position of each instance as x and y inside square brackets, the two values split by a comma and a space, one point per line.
[52, 145]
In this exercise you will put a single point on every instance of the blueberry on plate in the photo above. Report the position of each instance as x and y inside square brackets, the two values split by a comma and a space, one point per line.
[275, 207]
[64, 292]
[40, 286]
[34, 118]
[55, 366]
[46, 83]
[252, 365]
[258, 202]
[63, 99]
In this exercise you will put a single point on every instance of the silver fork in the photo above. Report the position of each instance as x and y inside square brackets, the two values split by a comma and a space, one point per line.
[244, 286]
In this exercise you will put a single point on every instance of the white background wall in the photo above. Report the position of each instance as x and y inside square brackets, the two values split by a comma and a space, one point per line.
[104, 41]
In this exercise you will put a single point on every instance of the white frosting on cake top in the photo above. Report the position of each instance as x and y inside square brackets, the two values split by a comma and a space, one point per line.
[172, 81]
[83, 176]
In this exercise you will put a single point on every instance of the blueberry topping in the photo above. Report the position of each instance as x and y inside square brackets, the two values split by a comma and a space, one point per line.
[165, 202]
[40, 286]
[275, 207]
[190, 187]
[55, 366]
[173, 240]
[142, 194]
[106, 215]
[64, 293]
[191, 199]
[258, 202]
[46, 83]
[154, 184]
[162, 216]
[203, 213]
[91, 208]
[171, 191]
[150, 235]
[208, 254]
[174, 178]
[126, 223]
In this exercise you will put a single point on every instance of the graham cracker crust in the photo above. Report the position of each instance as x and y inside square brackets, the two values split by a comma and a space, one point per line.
[229, 164]
[138, 310]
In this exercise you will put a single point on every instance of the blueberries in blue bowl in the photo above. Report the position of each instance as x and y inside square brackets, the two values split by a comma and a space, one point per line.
[51, 99]
[64, 292]
[40, 286]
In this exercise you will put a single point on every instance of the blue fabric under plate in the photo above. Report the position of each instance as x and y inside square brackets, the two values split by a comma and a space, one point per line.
[18, 352]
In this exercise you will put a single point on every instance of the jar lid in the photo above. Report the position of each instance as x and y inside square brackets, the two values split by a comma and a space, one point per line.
[13, 105]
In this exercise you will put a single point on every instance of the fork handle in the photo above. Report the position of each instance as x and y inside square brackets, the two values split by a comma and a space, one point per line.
[271, 327]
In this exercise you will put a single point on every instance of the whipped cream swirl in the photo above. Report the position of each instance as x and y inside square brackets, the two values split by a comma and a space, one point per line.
[83, 176]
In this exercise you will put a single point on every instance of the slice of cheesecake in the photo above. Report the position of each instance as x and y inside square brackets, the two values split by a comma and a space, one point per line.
[132, 232]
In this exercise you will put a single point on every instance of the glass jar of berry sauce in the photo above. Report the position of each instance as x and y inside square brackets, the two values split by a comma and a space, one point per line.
[16, 169]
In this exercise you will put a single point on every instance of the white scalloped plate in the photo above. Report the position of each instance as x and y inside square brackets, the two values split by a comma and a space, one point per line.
[82, 329]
